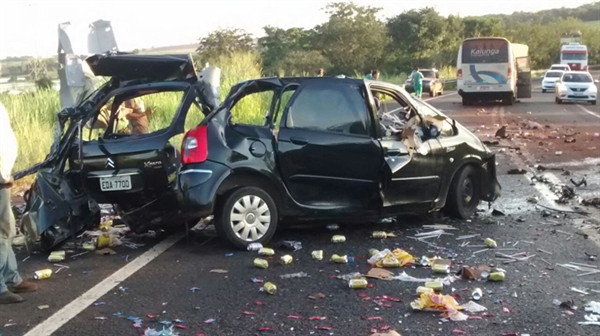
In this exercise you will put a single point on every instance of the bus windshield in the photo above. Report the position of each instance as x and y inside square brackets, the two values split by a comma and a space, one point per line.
[574, 57]
[485, 51]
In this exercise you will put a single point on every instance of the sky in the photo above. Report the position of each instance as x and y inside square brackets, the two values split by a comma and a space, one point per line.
[30, 27]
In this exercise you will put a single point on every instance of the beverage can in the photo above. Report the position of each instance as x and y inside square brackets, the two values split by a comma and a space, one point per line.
[261, 263]
[490, 242]
[440, 268]
[318, 254]
[89, 246]
[422, 289]
[358, 283]
[497, 276]
[435, 285]
[286, 259]
[339, 259]
[379, 234]
[270, 288]
[42, 274]
[477, 294]
[338, 239]
[391, 262]
[254, 247]
[57, 256]
[373, 252]
[265, 251]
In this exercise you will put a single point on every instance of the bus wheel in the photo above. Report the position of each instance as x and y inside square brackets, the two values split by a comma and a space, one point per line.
[508, 101]
[465, 101]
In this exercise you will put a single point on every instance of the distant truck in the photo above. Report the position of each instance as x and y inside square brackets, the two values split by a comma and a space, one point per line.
[575, 55]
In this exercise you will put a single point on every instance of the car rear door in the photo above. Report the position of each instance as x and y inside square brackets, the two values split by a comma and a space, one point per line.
[137, 169]
[325, 150]
[523, 77]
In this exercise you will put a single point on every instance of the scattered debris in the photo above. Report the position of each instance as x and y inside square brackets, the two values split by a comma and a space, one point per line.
[517, 171]
[395, 258]
[290, 245]
[591, 201]
[581, 182]
[317, 296]
[105, 251]
[294, 275]
[407, 278]
[380, 273]
[218, 270]
[42, 307]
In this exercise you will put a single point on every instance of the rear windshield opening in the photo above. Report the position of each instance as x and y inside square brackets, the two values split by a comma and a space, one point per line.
[577, 78]
[485, 51]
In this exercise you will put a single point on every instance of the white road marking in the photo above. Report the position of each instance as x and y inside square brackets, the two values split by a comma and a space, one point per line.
[588, 111]
[76, 306]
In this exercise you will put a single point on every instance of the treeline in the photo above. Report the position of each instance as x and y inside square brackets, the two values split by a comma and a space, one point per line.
[354, 39]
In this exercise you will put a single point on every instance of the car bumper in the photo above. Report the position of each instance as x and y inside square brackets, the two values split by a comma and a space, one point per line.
[573, 98]
[490, 187]
[198, 185]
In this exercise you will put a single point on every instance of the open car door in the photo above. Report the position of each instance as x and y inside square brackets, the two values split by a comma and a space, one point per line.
[523, 77]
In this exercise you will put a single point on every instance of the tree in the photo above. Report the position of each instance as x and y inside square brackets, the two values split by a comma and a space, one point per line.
[278, 44]
[483, 27]
[224, 42]
[353, 38]
[302, 62]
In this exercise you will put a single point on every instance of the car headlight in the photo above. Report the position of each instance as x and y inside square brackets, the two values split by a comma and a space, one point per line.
[592, 89]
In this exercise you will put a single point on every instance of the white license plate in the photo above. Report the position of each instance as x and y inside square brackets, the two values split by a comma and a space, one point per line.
[484, 88]
[115, 183]
[578, 93]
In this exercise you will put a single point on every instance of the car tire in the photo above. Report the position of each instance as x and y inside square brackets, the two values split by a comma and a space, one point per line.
[249, 205]
[508, 101]
[543, 91]
[463, 196]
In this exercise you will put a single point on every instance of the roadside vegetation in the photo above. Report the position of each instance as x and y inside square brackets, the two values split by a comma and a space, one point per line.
[354, 40]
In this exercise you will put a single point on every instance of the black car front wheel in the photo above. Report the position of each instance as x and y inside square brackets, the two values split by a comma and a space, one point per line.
[463, 196]
[248, 215]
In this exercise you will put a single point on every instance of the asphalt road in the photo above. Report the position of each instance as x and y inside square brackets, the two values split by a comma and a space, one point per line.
[159, 287]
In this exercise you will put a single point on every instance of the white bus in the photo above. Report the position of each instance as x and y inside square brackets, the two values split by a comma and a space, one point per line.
[575, 55]
[493, 68]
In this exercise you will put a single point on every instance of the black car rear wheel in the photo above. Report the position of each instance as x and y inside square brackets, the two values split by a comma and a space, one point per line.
[248, 215]
[463, 196]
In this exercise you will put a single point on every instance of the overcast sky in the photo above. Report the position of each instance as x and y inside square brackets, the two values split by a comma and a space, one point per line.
[30, 27]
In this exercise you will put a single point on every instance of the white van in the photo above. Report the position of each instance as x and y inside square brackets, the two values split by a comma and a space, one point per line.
[493, 68]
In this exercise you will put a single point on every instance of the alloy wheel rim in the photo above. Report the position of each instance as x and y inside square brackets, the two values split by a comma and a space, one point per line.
[250, 218]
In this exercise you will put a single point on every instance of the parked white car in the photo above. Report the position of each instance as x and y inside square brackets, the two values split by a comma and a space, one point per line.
[561, 67]
[576, 86]
[549, 80]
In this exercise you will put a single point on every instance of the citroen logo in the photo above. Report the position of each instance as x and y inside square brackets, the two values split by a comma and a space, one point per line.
[110, 163]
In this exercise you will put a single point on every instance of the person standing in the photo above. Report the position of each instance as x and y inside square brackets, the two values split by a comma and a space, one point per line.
[375, 74]
[137, 115]
[319, 72]
[10, 281]
[368, 74]
[417, 79]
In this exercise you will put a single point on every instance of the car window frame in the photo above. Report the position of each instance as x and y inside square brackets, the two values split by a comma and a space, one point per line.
[308, 84]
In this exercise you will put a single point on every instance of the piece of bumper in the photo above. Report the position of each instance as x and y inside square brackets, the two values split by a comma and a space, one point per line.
[490, 187]
[198, 185]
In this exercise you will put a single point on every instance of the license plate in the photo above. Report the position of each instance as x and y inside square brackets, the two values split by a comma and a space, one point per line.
[578, 93]
[115, 183]
[484, 88]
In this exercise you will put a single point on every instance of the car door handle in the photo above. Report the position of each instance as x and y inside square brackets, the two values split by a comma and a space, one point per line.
[298, 141]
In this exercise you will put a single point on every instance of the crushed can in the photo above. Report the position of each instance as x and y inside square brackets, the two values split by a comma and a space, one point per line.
[435, 285]
[270, 288]
[261, 263]
[490, 243]
[338, 239]
[286, 259]
[42, 274]
[497, 276]
[254, 247]
[89, 246]
[318, 254]
[390, 262]
[423, 289]
[265, 251]
[56, 256]
[373, 252]
[440, 268]
[477, 294]
[339, 259]
[359, 283]
[379, 235]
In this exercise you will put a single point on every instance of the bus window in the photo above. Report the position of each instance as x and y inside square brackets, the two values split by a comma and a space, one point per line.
[484, 51]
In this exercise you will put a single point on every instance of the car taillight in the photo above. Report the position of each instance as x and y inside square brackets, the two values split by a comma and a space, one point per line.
[509, 72]
[459, 73]
[194, 148]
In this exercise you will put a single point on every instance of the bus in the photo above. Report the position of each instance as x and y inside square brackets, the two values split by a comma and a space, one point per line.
[575, 55]
[491, 69]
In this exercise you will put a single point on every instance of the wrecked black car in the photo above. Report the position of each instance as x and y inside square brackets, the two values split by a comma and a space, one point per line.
[319, 148]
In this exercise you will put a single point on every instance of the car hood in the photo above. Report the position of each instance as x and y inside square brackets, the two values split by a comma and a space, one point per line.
[133, 66]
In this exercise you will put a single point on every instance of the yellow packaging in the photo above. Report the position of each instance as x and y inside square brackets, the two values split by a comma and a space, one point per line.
[286, 259]
[318, 255]
[104, 240]
[42, 274]
[265, 251]
[338, 239]
[435, 285]
[422, 289]
[261, 263]
[390, 262]
[270, 288]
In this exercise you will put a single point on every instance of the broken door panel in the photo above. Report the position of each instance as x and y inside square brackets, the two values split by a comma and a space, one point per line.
[101, 38]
